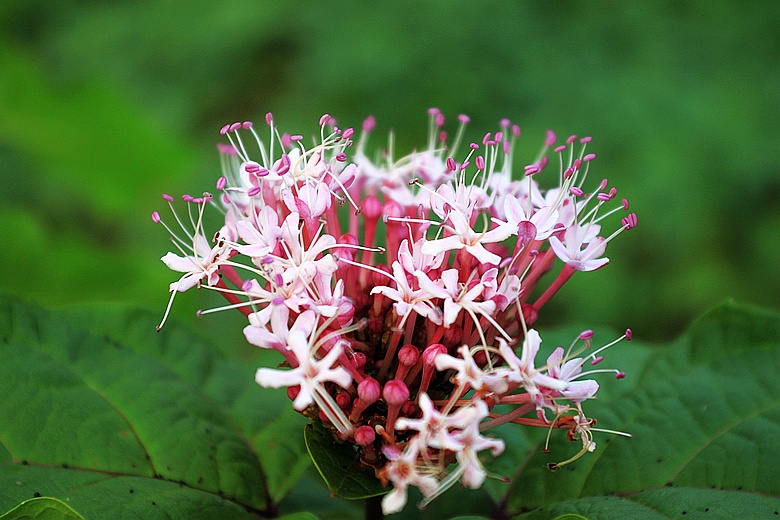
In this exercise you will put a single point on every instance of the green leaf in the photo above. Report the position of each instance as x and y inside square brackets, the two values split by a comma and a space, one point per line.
[264, 416]
[298, 516]
[42, 508]
[704, 413]
[664, 504]
[110, 415]
[339, 465]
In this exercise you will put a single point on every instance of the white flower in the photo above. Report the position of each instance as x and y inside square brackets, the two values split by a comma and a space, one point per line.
[464, 237]
[311, 374]
[571, 249]
[469, 373]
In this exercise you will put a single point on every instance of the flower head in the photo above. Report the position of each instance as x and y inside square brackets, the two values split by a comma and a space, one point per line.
[405, 317]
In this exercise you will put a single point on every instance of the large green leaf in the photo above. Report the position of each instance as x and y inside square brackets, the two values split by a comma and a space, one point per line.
[705, 416]
[42, 508]
[97, 407]
[664, 504]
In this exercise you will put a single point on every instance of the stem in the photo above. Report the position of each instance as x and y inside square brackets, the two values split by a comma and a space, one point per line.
[563, 277]
[232, 298]
[374, 508]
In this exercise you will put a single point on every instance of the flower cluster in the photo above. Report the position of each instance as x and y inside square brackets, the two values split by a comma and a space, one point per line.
[404, 319]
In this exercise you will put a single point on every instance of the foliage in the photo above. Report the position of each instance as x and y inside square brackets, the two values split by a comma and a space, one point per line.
[109, 416]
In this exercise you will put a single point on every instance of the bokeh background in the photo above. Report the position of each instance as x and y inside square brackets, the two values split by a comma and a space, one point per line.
[105, 105]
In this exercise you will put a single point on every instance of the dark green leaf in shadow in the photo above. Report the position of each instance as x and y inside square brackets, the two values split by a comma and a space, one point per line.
[339, 465]
[42, 508]
[298, 516]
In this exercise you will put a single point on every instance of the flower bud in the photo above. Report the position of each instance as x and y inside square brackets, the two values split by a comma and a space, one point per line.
[395, 392]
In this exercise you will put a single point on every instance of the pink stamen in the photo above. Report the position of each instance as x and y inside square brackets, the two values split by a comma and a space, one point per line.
[369, 124]
[630, 221]
[167, 197]
[451, 166]
[589, 157]
[155, 217]
[550, 139]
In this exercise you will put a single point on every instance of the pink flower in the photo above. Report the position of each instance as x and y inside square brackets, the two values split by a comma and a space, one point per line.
[419, 285]
[469, 374]
[464, 237]
[571, 251]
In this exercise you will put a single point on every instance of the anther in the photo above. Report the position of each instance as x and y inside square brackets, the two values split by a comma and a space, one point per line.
[550, 139]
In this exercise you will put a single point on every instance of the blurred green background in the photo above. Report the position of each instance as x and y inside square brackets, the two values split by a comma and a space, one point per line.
[103, 106]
